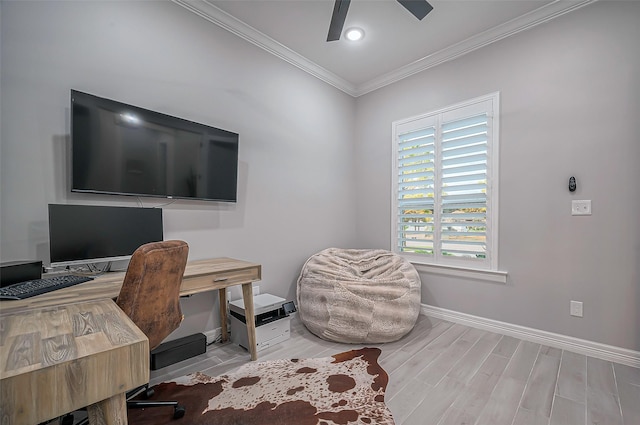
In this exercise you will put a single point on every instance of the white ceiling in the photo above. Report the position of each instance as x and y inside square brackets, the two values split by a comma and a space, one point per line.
[396, 44]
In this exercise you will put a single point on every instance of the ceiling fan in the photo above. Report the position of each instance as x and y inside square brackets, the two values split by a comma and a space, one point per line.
[419, 9]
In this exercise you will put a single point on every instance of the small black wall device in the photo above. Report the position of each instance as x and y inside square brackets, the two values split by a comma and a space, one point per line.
[18, 271]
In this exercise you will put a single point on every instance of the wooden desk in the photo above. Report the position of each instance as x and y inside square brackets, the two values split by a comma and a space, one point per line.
[199, 276]
[55, 360]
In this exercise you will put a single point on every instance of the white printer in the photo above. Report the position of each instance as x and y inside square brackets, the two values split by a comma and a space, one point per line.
[271, 318]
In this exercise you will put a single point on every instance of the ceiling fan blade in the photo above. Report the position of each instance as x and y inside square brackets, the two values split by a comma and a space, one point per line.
[419, 8]
[338, 17]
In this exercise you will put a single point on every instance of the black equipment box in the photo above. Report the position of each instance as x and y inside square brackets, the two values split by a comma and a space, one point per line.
[178, 350]
[19, 271]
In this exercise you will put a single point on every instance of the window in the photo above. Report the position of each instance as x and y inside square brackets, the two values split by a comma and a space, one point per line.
[445, 188]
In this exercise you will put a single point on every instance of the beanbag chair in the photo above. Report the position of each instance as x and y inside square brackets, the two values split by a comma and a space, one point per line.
[358, 295]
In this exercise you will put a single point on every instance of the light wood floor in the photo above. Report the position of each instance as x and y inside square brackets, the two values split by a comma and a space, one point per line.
[444, 373]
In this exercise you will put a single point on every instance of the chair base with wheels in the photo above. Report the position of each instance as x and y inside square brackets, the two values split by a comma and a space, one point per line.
[146, 392]
[135, 403]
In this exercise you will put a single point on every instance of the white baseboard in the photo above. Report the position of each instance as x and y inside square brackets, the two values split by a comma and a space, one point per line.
[576, 345]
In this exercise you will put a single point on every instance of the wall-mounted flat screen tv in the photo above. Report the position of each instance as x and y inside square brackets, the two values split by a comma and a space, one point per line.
[127, 150]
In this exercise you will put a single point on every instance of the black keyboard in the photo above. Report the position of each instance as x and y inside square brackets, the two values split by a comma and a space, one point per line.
[30, 288]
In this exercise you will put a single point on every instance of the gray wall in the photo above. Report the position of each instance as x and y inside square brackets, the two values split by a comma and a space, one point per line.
[570, 98]
[296, 181]
[570, 104]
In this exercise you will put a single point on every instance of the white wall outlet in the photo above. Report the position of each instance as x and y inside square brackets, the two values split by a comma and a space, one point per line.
[575, 308]
[581, 207]
[256, 290]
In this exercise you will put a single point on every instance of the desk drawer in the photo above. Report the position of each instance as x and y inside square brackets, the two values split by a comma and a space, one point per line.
[217, 280]
[235, 276]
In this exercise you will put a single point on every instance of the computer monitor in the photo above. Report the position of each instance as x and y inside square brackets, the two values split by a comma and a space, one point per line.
[84, 234]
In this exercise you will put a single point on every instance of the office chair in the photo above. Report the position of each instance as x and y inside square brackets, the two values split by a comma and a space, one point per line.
[150, 296]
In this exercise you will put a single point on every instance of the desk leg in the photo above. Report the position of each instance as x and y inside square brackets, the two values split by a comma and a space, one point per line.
[112, 411]
[247, 296]
[223, 314]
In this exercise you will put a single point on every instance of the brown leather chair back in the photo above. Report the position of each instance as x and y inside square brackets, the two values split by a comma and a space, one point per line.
[150, 294]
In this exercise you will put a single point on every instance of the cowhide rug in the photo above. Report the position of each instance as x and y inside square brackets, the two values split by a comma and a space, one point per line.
[344, 389]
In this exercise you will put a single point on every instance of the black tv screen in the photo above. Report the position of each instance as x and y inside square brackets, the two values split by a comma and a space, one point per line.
[80, 234]
[127, 150]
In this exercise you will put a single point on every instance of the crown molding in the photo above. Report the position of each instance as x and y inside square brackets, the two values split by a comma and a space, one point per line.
[522, 23]
[536, 17]
[224, 20]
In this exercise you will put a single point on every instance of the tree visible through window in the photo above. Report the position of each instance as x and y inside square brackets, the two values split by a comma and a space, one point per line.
[445, 185]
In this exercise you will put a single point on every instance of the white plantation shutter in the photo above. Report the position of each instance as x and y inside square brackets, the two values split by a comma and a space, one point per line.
[445, 193]
[463, 190]
[416, 190]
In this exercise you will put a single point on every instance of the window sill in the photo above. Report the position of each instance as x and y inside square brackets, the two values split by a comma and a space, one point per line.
[494, 276]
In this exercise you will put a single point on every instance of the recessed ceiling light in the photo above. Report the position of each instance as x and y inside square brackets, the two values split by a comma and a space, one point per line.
[354, 34]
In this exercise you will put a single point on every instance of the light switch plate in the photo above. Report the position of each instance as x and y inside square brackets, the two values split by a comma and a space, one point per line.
[582, 207]
[575, 308]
